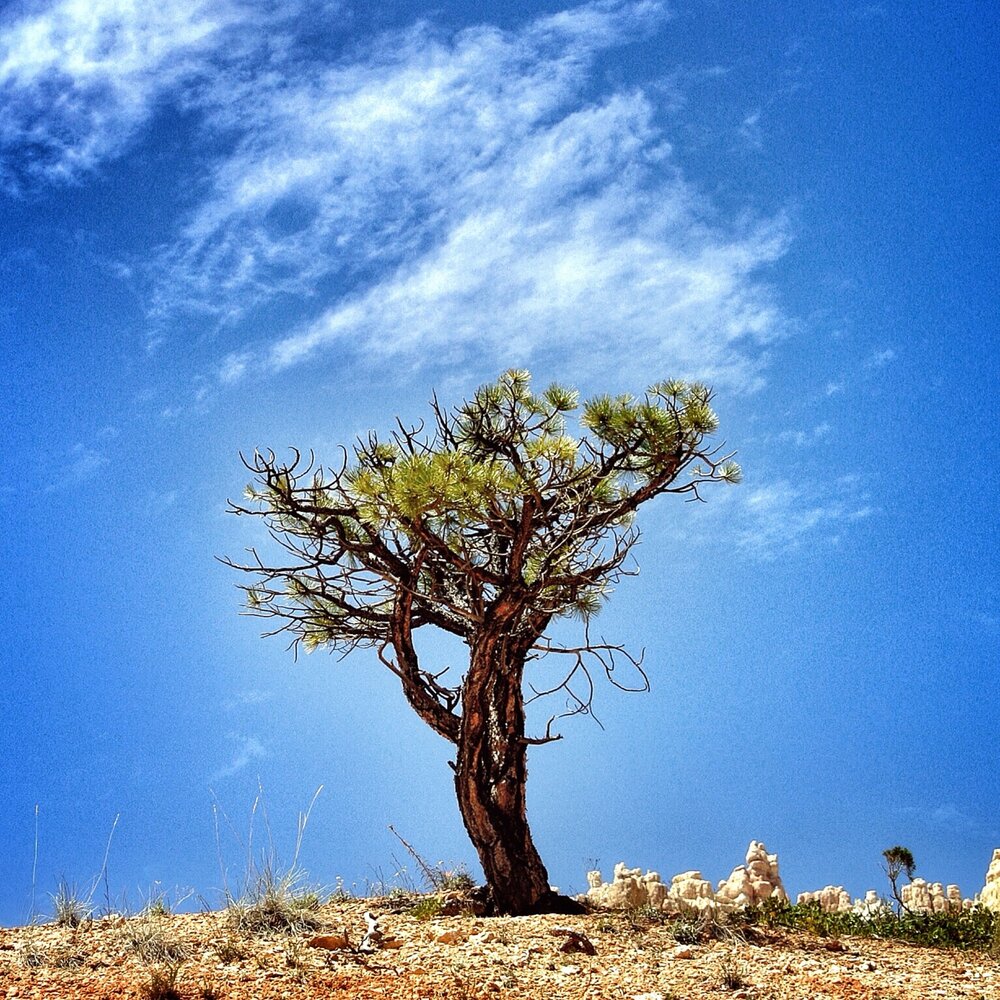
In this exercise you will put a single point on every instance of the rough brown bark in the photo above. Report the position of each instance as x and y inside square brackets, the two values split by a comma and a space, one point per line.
[491, 773]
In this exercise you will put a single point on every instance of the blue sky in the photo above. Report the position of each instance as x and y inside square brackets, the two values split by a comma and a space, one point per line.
[227, 225]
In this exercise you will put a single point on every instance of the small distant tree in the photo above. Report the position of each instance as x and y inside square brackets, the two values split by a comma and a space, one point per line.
[898, 861]
[489, 524]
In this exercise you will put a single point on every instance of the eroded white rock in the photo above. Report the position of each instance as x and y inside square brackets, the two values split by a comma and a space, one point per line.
[990, 896]
[753, 882]
[921, 896]
[831, 898]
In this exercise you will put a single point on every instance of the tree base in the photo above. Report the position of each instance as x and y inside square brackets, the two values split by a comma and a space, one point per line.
[552, 902]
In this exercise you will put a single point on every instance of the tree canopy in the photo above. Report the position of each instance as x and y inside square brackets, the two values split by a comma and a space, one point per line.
[489, 521]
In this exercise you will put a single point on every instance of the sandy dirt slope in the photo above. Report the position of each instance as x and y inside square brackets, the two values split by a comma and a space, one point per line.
[465, 957]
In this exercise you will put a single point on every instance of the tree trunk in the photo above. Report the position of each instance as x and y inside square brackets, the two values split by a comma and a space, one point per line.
[491, 772]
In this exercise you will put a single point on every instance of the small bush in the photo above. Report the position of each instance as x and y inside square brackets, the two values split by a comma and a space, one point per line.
[456, 880]
[144, 936]
[69, 907]
[277, 902]
[33, 957]
[731, 973]
[230, 950]
[162, 983]
[687, 930]
[964, 929]
[641, 918]
[426, 908]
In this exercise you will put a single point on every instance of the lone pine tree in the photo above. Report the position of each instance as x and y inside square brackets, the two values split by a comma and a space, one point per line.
[490, 523]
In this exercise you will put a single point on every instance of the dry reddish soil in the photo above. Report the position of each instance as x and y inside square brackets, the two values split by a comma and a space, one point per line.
[470, 958]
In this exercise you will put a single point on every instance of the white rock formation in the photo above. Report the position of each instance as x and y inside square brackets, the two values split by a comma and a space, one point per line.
[873, 905]
[753, 882]
[919, 897]
[932, 897]
[990, 896]
[688, 892]
[831, 899]
[629, 889]
[759, 879]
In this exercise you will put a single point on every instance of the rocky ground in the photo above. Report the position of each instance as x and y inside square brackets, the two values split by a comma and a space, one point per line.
[465, 957]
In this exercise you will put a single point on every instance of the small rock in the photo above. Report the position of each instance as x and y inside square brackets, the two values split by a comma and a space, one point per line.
[569, 970]
[450, 937]
[682, 952]
[331, 942]
[575, 941]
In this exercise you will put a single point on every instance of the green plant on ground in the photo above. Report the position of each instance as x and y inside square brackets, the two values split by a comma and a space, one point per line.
[963, 929]
[731, 973]
[70, 907]
[230, 949]
[426, 908]
[162, 983]
[207, 990]
[144, 935]
[273, 898]
[687, 930]
[66, 958]
[32, 956]
[641, 918]
[277, 901]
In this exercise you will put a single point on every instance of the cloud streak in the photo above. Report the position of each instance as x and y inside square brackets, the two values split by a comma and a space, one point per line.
[468, 195]
[78, 77]
[247, 750]
[781, 517]
[437, 196]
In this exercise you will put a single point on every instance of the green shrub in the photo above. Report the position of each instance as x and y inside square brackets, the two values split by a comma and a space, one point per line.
[70, 908]
[964, 929]
[426, 908]
[162, 983]
[277, 901]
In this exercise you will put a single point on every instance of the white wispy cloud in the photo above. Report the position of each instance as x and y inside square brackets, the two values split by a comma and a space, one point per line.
[804, 438]
[82, 463]
[782, 516]
[880, 358]
[466, 193]
[234, 367]
[948, 816]
[78, 77]
[432, 193]
[247, 750]
[777, 517]
[247, 699]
